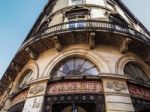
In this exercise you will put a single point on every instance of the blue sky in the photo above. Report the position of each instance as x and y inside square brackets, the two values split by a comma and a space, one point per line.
[18, 16]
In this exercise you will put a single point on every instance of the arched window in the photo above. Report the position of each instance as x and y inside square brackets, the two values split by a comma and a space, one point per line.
[75, 67]
[26, 78]
[136, 73]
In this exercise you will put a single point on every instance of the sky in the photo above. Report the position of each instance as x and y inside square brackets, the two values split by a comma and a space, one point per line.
[18, 16]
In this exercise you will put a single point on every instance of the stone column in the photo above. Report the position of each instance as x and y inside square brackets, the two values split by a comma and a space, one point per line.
[35, 98]
[117, 96]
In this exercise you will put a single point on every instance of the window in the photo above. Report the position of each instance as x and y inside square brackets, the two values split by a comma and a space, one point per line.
[26, 79]
[76, 2]
[76, 17]
[75, 67]
[78, 24]
[136, 73]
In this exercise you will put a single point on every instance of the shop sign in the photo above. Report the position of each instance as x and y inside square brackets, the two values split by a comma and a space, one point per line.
[139, 91]
[20, 97]
[75, 87]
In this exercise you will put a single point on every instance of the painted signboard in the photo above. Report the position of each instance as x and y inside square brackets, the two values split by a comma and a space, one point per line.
[20, 97]
[139, 91]
[75, 87]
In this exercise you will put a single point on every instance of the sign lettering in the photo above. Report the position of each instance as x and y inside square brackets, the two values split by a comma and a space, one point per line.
[75, 87]
[139, 91]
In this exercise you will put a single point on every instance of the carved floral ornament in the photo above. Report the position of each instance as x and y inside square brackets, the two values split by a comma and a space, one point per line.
[117, 86]
[37, 89]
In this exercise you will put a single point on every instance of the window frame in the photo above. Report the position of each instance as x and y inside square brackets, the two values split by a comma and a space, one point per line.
[74, 72]
[138, 68]
[77, 2]
[27, 76]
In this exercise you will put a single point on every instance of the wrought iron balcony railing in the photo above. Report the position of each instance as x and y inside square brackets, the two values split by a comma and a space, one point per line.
[89, 25]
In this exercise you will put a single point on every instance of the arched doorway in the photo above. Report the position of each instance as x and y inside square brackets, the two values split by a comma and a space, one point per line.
[74, 107]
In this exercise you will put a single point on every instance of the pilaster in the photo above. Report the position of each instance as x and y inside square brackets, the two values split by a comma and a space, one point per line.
[35, 98]
[117, 96]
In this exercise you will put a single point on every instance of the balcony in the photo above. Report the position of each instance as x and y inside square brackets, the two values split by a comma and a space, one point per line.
[87, 25]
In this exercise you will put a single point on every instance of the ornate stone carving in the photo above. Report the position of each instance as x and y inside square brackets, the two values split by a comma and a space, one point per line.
[117, 86]
[57, 43]
[32, 54]
[37, 89]
[92, 40]
[124, 45]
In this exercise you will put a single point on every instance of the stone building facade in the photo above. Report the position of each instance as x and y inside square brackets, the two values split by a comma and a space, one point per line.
[80, 56]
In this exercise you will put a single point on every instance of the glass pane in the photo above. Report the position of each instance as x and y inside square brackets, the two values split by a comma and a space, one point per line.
[75, 66]
[71, 64]
[87, 65]
[78, 63]
[64, 68]
[58, 74]
[27, 78]
[128, 72]
[136, 73]
[92, 71]
[139, 72]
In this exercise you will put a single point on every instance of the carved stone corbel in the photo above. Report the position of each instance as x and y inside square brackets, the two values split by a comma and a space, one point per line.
[92, 40]
[9, 77]
[16, 67]
[32, 54]
[124, 45]
[57, 43]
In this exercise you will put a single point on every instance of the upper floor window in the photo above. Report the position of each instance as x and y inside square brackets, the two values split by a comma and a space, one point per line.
[27, 77]
[76, 2]
[136, 73]
[75, 67]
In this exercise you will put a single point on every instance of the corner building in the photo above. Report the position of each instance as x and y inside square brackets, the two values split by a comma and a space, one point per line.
[80, 56]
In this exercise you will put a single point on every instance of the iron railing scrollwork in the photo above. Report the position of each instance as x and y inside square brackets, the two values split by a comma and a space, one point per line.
[89, 25]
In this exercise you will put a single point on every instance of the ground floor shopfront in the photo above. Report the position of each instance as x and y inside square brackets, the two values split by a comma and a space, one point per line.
[82, 95]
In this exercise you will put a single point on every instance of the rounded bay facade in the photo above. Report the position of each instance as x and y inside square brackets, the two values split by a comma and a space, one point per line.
[80, 56]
